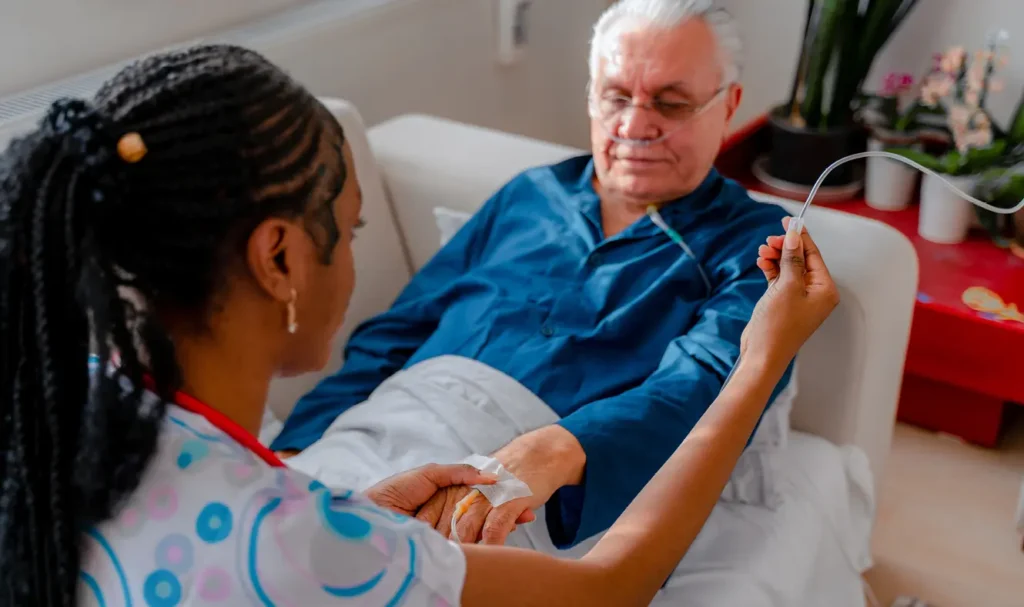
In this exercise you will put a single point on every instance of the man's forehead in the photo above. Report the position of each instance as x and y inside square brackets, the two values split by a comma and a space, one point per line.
[659, 56]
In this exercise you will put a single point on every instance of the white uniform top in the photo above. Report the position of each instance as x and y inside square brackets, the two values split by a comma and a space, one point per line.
[216, 521]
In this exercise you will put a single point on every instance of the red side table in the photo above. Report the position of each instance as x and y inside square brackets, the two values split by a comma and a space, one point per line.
[963, 367]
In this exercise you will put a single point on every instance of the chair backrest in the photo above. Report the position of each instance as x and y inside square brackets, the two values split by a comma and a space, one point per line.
[850, 371]
[382, 268]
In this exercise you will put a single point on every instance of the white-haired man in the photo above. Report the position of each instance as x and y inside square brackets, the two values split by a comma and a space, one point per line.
[562, 282]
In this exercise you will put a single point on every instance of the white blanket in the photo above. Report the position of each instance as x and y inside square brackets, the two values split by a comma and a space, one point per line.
[448, 408]
[439, 411]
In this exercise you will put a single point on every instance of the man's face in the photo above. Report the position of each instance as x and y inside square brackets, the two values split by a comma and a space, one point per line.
[666, 75]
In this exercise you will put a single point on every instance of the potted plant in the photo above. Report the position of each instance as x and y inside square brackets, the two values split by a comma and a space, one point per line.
[890, 185]
[817, 126]
[960, 86]
[1004, 188]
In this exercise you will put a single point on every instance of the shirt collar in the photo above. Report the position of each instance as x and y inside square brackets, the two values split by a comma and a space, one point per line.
[677, 213]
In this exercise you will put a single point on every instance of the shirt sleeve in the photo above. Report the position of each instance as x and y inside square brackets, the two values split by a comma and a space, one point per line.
[318, 548]
[628, 437]
[381, 346]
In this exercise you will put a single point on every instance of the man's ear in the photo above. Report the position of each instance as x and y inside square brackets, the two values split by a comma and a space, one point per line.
[272, 254]
[733, 97]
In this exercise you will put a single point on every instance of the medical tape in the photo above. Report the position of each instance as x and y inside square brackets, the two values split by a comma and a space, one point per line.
[507, 488]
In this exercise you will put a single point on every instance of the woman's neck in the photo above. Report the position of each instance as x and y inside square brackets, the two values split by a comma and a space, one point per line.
[232, 380]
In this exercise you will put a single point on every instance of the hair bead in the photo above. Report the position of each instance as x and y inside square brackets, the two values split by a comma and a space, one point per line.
[131, 148]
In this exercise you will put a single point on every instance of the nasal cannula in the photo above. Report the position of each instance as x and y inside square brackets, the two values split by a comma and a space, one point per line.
[797, 223]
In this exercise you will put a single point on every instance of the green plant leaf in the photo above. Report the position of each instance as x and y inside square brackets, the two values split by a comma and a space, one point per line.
[977, 160]
[822, 50]
[841, 43]
[1002, 187]
[1016, 129]
[810, 26]
[847, 76]
[952, 163]
[923, 158]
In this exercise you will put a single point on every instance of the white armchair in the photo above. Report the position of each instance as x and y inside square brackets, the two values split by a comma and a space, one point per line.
[1020, 514]
[849, 379]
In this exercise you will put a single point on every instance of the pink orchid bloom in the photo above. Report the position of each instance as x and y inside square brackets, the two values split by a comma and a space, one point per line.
[959, 115]
[953, 60]
[976, 138]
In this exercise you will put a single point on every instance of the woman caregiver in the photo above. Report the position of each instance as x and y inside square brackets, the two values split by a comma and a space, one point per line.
[168, 249]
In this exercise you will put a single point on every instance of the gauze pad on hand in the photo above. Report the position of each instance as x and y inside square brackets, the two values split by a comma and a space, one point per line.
[507, 488]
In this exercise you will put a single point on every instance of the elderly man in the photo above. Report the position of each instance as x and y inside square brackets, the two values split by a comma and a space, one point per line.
[563, 282]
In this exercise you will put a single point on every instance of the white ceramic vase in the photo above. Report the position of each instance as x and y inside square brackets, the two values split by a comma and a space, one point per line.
[945, 216]
[889, 184]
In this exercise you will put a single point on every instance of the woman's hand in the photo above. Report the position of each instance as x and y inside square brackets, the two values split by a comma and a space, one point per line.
[800, 296]
[406, 492]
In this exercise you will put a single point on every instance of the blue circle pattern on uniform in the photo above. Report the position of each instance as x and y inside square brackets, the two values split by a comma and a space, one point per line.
[345, 525]
[175, 553]
[192, 451]
[214, 523]
[162, 589]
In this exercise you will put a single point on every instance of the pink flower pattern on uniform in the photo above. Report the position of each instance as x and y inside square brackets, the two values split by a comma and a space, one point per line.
[212, 524]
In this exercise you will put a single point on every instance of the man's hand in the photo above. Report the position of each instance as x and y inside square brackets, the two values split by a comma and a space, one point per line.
[546, 460]
[437, 513]
[405, 493]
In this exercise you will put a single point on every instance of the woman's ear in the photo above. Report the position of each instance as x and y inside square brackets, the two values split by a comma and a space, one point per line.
[275, 259]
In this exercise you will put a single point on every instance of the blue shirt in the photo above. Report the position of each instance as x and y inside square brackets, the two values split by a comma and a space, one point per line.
[619, 335]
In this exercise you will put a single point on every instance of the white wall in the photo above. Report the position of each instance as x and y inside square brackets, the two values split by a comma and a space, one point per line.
[772, 30]
[44, 40]
[440, 57]
[432, 56]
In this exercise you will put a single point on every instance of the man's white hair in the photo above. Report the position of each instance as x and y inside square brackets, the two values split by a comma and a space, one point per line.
[668, 14]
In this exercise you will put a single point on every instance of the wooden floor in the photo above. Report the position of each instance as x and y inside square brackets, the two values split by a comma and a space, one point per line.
[945, 529]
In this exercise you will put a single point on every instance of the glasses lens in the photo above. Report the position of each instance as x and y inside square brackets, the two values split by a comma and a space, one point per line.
[610, 109]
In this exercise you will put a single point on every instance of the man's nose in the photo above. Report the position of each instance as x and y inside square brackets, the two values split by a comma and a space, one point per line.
[638, 123]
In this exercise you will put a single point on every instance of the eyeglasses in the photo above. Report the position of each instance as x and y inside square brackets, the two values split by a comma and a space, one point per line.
[610, 107]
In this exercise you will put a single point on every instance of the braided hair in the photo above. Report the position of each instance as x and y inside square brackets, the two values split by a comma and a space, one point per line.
[96, 245]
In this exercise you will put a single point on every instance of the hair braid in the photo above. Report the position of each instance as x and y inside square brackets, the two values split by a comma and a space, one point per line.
[231, 141]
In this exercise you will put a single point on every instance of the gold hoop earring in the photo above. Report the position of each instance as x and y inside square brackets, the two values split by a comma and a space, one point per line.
[293, 326]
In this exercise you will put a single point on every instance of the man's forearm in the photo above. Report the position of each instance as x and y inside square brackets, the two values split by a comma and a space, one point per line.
[551, 452]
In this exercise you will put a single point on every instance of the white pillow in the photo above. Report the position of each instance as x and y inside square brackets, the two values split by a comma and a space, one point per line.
[753, 479]
[449, 221]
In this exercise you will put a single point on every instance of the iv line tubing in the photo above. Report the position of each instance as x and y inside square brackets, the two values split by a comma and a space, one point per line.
[799, 220]
[907, 161]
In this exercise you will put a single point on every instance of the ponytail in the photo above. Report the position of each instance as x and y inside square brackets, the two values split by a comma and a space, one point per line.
[74, 443]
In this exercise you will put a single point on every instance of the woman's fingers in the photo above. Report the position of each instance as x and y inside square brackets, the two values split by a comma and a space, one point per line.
[768, 252]
[812, 258]
[432, 513]
[457, 474]
[769, 268]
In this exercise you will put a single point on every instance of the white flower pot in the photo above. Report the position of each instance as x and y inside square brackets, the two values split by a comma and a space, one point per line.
[889, 184]
[945, 216]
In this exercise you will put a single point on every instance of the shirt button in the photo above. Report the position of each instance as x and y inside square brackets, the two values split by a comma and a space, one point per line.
[595, 259]
[547, 331]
